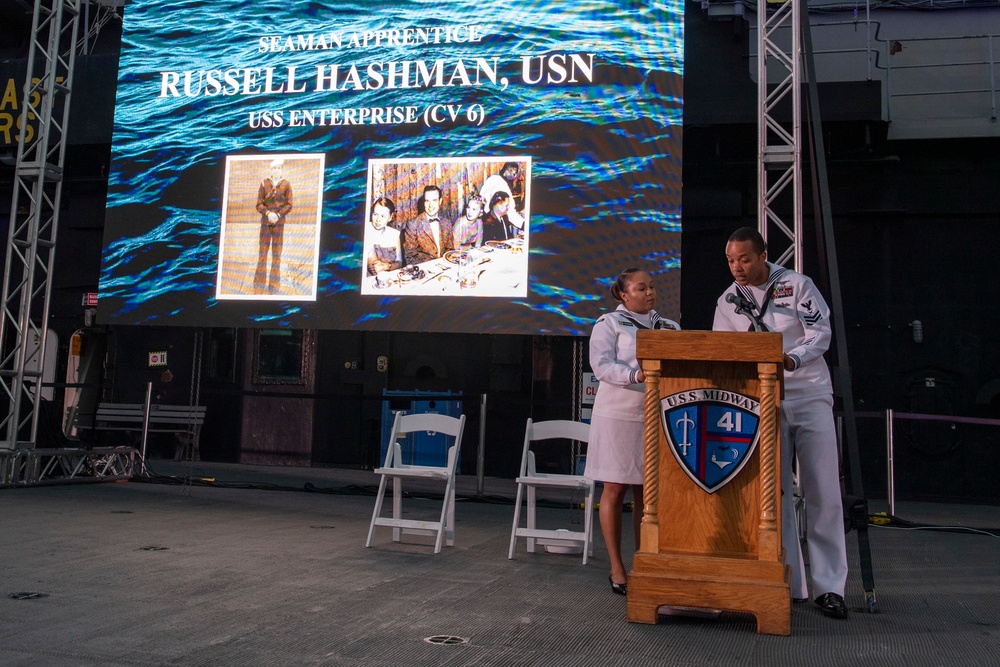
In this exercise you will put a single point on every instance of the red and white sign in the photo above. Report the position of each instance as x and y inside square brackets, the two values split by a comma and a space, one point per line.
[90, 299]
[157, 358]
[588, 392]
[588, 388]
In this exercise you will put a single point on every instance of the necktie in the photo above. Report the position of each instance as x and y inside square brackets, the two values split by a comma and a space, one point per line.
[436, 233]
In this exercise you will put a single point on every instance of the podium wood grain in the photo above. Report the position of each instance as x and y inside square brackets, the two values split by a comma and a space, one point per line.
[711, 551]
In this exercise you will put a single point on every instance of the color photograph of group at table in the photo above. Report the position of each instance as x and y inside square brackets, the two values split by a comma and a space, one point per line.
[447, 227]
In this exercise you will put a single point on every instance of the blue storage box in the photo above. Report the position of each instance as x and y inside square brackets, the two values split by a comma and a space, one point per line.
[425, 449]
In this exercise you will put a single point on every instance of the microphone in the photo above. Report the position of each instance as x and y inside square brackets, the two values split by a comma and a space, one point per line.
[744, 307]
[739, 301]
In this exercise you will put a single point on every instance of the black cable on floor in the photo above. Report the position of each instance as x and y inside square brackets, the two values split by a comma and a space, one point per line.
[888, 521]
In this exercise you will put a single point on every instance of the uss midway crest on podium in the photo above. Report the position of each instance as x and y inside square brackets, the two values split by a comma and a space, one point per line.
[711, 432]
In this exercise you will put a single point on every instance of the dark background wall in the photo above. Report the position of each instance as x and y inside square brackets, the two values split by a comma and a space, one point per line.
[915, 221]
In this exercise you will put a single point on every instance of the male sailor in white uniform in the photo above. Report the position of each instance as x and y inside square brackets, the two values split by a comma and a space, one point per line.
[772, 298]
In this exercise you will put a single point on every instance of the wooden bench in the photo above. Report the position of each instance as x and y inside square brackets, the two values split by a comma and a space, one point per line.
[180, 419]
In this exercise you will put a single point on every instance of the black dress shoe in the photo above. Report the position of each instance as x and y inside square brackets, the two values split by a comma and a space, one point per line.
[832, 605]
[620, 589]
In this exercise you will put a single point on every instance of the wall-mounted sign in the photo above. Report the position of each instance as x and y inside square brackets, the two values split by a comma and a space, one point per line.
[157, 359]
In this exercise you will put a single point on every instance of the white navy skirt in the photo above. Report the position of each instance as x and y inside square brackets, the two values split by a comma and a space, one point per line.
[614, 453]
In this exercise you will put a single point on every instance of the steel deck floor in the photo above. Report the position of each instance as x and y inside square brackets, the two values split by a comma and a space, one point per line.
[154, 574]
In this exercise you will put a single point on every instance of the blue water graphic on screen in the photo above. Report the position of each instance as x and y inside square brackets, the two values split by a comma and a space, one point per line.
[358, 101]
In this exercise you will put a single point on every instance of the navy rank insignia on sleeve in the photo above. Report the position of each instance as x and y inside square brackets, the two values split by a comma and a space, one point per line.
[812, 315]
[711, 433]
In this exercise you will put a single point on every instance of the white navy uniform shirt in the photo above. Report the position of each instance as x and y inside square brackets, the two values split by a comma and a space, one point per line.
[612, 358]
[796, 310]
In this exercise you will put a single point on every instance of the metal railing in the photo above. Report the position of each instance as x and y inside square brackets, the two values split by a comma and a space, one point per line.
[891, 416]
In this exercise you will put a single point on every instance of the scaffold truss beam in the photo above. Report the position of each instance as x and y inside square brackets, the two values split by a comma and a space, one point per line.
[34, 216]
[779, 143]
[28, 467]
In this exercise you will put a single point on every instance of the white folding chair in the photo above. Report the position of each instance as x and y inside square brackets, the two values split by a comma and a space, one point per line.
[531, 479]
[394, 468]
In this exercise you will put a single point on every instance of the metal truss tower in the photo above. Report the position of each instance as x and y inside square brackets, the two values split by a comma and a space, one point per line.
[784, 46]
[779, 143]
[34, 216]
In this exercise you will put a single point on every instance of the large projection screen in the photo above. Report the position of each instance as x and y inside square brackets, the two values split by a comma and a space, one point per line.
[394, 166]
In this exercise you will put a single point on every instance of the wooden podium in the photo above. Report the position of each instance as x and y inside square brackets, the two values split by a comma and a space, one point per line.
[714, 549]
